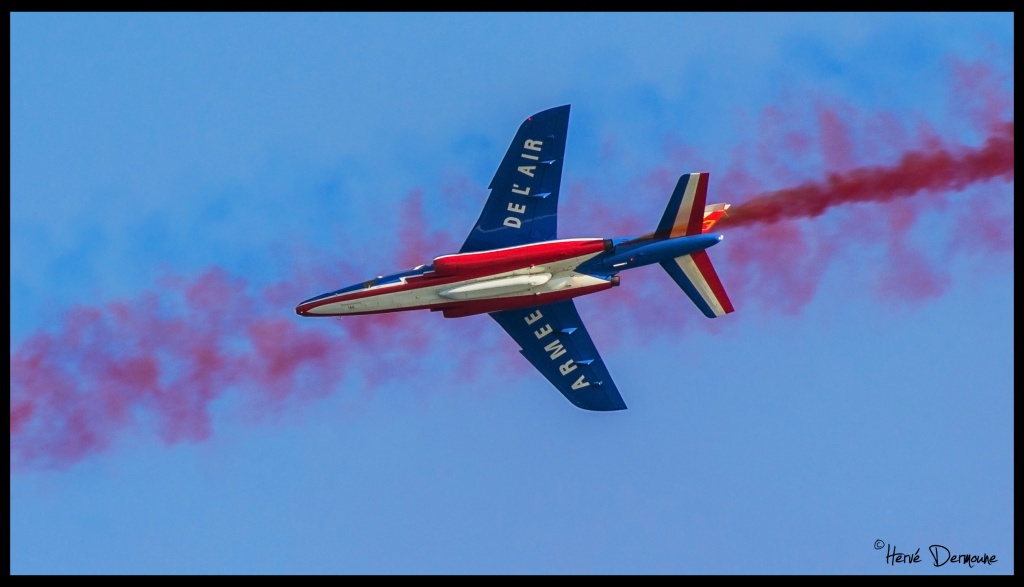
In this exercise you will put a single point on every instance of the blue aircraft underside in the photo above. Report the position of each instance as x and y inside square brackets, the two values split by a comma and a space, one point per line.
[513, 266]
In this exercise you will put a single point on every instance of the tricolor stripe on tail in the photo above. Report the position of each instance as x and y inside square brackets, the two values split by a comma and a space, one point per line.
[686, 215]
[689, 196]
[695, 274]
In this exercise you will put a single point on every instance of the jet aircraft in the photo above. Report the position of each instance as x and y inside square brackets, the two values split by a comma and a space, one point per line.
[514, 267]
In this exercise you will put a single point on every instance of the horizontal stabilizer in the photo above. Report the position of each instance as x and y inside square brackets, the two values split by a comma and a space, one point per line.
[695, 274]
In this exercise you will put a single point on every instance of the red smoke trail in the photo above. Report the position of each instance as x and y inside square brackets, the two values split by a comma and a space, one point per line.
[777, 262]
[923, 202]
[917, 171]
[161, 361]
[164, 360]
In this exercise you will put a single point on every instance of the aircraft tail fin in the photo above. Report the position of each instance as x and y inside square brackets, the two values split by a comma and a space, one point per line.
[684, 214]
[687, 215]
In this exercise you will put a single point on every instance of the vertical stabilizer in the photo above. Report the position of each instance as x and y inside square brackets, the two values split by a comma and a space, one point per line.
[684, 215]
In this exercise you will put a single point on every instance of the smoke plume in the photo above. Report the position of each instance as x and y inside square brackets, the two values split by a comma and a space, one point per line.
[162, 362]
[932, 170]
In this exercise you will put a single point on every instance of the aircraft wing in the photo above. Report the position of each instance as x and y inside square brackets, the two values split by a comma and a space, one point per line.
[552, 337]
[523, 205]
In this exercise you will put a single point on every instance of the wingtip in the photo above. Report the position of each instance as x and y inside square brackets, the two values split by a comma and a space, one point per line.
[557, 110]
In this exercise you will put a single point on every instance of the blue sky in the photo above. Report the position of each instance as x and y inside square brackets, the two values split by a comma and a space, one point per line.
[862, 391]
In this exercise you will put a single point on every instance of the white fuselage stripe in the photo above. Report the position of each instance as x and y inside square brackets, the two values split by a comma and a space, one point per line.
[562, 275]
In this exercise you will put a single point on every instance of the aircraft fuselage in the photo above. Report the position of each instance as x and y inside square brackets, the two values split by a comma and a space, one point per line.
[514, 267]
[502, 279]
